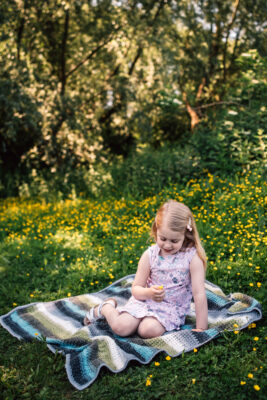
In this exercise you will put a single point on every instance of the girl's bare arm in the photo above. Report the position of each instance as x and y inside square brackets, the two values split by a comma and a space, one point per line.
[139, 289]
[198, 288]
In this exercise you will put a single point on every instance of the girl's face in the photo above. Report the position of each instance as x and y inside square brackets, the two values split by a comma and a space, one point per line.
[169, 242]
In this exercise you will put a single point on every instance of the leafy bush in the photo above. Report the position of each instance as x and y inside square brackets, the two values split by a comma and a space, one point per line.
[83, 181]
[20, 120]
[233, 138]
[148, 171]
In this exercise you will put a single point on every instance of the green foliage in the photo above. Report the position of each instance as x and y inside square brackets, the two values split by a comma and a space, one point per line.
[67, 183]
[21, 122]
[83, 81]
[148, 170]
[234, 138]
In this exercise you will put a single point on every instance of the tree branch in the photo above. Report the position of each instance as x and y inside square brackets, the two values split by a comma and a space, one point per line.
[200, 88]
[138, 55]
[90, 55]
[191, 111]
[63, 53]
[235, 46]
[21, 29]
[229, 27]
[150, 24]
[215, 104]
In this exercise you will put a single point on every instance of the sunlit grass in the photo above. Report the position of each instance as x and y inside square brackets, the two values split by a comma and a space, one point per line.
[54, 250]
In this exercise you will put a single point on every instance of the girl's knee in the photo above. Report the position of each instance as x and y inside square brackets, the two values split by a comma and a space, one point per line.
[122, 327]
[147, 333]
[150, 329]
[119, 328]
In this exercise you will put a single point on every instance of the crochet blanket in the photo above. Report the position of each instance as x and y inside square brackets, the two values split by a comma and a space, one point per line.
[88, 348]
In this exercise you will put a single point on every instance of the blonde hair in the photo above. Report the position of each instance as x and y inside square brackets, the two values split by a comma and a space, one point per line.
[179, 218]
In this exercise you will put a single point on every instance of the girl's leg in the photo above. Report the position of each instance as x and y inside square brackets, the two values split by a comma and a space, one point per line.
[123, 324]
[150, 327]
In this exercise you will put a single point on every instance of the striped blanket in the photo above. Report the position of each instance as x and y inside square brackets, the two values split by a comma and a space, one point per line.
[88, 348]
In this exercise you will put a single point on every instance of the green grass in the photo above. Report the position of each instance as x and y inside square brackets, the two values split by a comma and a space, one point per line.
[53, 250]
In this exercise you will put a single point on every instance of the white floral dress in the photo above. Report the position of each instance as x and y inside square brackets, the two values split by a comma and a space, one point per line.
[173, 272]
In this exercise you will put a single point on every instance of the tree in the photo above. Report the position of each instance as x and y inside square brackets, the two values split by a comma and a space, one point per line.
[206, 41]
[96, 78]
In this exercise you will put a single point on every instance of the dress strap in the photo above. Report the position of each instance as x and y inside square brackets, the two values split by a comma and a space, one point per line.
[153, 253]
[191, 253]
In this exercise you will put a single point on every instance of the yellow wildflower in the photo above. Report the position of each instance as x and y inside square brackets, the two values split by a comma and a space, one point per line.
[148, 382]
[256, 387]
[250, 375]
[157, 364]
[256, 338]
[168, 358]
[243, 383]
[193, 381]
[195, 350]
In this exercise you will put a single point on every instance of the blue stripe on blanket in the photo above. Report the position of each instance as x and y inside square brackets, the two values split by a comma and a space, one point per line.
[60, 344]
[24, 325]
[212, 332]
[87, 368]
[76, 310]
[71, 310]
[123, 293]
[80, 370]
[142, 350]
[216, 300]
[15, 329]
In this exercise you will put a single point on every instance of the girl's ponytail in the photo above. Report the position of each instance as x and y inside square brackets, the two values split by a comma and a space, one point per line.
[198, 245]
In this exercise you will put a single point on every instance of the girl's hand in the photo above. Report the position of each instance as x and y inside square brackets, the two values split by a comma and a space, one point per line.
[199, 330]
[156, 293]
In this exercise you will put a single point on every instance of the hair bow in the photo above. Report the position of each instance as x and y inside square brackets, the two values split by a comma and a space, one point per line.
[189, 227]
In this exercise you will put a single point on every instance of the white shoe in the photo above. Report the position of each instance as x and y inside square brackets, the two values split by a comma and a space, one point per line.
[95, 312]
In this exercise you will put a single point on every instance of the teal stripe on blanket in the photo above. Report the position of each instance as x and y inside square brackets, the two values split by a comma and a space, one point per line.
[60, 344]
[89, 348]
[219, 301]
[144, 351]
[74, 308]
[32, 331]
[87, 368]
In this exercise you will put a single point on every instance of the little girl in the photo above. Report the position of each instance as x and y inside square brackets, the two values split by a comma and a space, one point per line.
[169, 273]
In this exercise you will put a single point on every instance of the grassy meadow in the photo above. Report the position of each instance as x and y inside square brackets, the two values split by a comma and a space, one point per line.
[51, 250]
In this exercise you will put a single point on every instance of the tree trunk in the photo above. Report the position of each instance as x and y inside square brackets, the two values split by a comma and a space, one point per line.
[193, 115]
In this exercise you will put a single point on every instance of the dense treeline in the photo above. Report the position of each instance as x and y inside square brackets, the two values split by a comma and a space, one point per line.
[87, 83]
